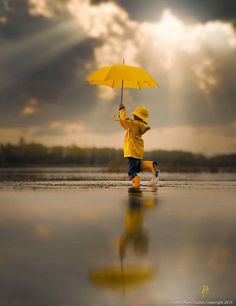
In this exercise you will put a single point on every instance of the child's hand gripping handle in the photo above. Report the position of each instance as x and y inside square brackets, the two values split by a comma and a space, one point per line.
[114, 116]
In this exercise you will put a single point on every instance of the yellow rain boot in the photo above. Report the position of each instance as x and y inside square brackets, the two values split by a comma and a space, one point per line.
[149, 164]
[136, 181]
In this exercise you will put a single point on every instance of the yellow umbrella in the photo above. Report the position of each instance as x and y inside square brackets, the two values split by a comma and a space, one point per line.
[119, 279]
[122, 76]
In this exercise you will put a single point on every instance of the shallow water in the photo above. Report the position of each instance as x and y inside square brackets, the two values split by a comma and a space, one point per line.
[58, 174]
[54, 240]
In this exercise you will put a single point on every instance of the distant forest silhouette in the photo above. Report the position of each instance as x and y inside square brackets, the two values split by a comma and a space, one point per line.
[35, 154]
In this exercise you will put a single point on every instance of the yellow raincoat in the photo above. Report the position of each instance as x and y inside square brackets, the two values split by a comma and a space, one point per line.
[133, 142]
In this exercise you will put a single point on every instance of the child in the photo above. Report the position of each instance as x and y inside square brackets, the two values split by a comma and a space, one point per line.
[133, 143]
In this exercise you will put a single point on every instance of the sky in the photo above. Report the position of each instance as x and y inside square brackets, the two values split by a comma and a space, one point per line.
[48, 47]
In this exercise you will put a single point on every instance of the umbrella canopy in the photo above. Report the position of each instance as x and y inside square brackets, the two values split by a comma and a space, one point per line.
[119, 76]
[122, 76]
[119, 279]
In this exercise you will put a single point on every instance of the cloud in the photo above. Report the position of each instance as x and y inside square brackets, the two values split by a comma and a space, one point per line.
[67, 127]
[190, 10]
[171, 38]
[44, 58]
[31, 108]
[48, 8]
[206, 75]
[39, 8]
[106, 22]
[3, 20]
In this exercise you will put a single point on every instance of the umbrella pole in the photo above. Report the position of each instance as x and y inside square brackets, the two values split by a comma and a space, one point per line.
[122, 90]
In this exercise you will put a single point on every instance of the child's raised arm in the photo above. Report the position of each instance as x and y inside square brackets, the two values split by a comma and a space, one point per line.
[125, 121]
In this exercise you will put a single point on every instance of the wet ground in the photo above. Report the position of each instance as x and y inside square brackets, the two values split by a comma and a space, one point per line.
[73, 241]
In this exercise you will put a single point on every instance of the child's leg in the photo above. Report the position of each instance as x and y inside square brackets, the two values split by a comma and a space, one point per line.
[149, 164]
[133, 169]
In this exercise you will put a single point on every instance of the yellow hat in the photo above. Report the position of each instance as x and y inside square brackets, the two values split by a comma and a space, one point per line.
[141, 112]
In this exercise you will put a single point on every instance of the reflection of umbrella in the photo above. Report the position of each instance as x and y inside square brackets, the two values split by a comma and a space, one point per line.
[122, 76]
[116, 279]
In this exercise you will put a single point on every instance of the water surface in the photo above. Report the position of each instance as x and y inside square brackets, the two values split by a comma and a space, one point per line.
[54, 239]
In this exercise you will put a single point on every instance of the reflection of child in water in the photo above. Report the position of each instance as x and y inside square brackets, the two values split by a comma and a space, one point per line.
[134, 234]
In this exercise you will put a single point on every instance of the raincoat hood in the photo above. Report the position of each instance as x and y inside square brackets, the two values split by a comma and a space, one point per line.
[141, 112]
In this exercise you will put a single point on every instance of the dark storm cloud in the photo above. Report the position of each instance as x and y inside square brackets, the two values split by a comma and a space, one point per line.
[43, 58]
[203, 10]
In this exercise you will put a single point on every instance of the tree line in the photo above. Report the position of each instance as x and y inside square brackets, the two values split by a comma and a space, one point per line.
[35, 154]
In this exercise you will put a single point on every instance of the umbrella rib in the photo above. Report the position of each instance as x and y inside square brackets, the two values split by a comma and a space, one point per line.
[113, 84]
[138, 85]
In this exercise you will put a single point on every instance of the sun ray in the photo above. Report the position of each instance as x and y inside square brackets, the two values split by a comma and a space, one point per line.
[20, 58]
